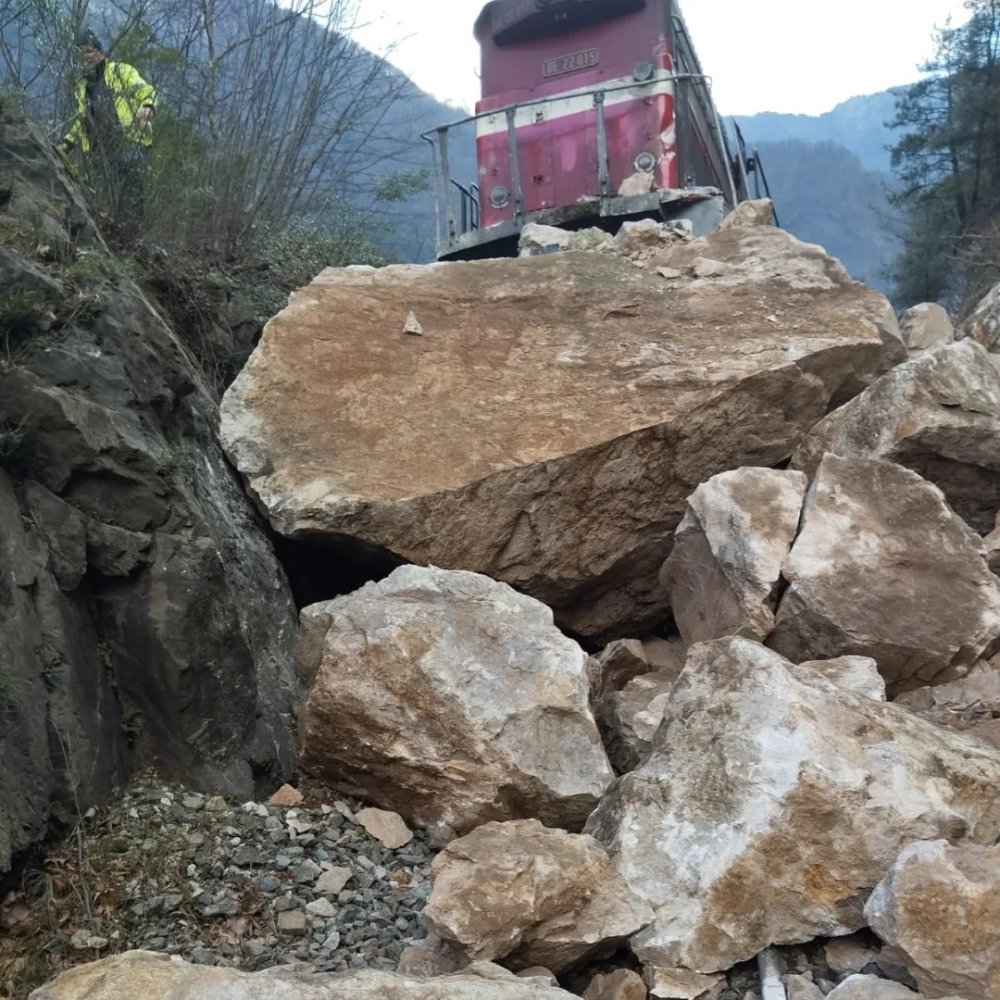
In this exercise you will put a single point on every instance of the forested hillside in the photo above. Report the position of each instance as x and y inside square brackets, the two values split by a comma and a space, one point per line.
[268, 117]
[860, 125]
[823, 194]
[830, 177]
[947, 159]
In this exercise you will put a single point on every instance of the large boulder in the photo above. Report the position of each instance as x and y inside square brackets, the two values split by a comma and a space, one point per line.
[773, 801]
[550, 421]
[445, 695]
[983, 326]
[939, 415]
[926, 325]
[882, 567]
[531, 896]
[138, 975]
[724, 570]
[939, 909]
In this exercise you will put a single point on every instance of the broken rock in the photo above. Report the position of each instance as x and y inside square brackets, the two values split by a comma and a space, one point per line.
[722, 575]
[448, 696]
[531, 896]
[804, 793]
[629, 718]
[287, 796]
[856, 673]
[983, 326]
[550, 432]
[146, 974]
[622, 984]
[939, 415]
[865, 577]
[387, 828]
[926, 325]
[625, 659]
[872, 988]
[939, 909]
[617, 664]
[964, 704]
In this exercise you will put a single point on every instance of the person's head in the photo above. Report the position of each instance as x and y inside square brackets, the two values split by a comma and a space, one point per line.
[91, 49]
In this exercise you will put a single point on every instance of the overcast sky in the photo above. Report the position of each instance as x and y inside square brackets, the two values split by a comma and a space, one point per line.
[766, 55]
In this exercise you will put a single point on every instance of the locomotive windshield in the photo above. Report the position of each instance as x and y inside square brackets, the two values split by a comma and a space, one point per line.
[510, 21]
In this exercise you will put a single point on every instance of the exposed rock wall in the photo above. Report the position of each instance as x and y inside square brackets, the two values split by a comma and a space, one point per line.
[143, 615]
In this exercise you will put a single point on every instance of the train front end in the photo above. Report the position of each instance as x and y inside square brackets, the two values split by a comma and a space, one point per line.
[593, 112]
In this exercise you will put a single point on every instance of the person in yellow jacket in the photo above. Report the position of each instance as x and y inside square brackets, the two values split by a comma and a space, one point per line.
[113, 119]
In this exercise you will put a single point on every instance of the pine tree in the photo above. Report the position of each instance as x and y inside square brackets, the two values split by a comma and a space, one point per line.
[948, 162]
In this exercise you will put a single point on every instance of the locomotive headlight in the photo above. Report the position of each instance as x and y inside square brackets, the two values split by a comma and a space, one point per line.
[499, 196]
[643, 71]
[645, 162]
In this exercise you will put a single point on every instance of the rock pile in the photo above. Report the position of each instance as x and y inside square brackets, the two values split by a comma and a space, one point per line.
[767, 786]
[717, 459]
[249, 886]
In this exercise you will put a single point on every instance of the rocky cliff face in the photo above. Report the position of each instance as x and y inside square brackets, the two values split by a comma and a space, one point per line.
[143, 616]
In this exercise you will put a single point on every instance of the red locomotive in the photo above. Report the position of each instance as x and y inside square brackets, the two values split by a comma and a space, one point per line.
[593, 111]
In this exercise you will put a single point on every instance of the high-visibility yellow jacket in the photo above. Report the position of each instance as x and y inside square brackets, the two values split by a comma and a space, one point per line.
[130, 93]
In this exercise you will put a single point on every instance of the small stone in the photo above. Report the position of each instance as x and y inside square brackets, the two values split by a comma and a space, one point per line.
[705, 267]
[226, 907]
[542, 975]
[80, 938]
[306, 873]
[332, 881]
[387, 828]
[412, 324]
[440, 835]
[247, 856]
[286, 797]
[293, 923]
[849, 955]
[800, 988]
[202, 956]
[622, 984]
[332, 941]
[321, 907]
[872, 988]
[193, 802]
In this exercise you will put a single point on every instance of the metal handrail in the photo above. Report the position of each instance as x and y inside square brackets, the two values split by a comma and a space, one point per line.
[470, 205]
[599, 94]
[636, 85]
